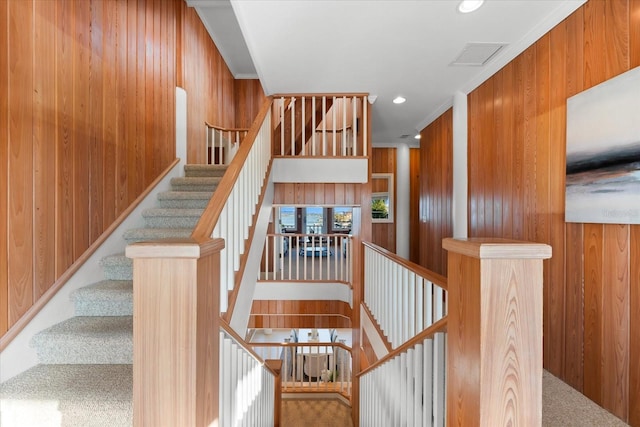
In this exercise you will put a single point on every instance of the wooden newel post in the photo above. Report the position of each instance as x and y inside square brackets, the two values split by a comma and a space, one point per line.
[176, 312]
[494, 348]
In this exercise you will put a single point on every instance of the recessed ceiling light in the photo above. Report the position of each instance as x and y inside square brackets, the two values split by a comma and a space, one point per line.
[399, 100]
[468, 6]
[417, 136]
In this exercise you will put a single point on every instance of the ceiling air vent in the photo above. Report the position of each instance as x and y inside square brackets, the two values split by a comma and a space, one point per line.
[477, 54]
[404, 136]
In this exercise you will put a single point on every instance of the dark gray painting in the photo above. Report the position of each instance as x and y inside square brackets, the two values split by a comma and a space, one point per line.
[603, 152]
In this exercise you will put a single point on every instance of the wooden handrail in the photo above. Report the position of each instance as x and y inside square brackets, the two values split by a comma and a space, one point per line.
[433, 277]
[206, 224]
[73, 268]
[439, 326]
[228, 330]
[226, 129]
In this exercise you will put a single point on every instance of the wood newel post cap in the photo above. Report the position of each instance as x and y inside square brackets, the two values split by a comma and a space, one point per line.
[496, 248]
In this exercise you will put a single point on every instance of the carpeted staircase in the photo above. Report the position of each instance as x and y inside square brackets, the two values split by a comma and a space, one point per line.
[85, 374]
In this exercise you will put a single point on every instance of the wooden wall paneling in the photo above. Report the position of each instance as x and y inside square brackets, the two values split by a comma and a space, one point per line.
[248, 96]
[634, 321]
[20, 180]
[553, 356]
[499, 153]
[554, 304]
[95, 141]
[529, 141]
[122, 198]
[109, 119]
[518, 149]
[4, 169]
[44, 147]
[80, 132]
[131, 108]
[64, 154]
[616, 37]
[436, 187]
[634, 33]
[615, 310]
[153, 95]
[150, 111]
[574, 290]
[488, 160]
[414, 205]
[592, 251]
[574, 314]
[505, 136]
[472, 153]
[159, 95]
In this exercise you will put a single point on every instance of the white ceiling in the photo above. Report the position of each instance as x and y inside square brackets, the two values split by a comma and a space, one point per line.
[382, 47]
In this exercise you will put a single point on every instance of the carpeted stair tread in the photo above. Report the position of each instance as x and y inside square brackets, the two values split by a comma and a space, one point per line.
[105, 298]
[86, 340]
[205, 170]
[146, 234]
[171, 217]
[117, 267]
[70, 396]
[195, 183]
[184, 199]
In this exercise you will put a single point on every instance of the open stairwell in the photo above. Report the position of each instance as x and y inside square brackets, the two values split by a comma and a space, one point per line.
[85, 374]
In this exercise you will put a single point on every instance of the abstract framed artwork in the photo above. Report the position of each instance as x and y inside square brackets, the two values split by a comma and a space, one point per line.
[603, 152]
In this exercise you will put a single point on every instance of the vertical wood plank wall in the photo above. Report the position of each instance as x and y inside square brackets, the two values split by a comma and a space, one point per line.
[414, 204]
[383, 160]
[87, 90]
[249, 97]
[300, 314]
[311, 194]
[436, 191]
[210, 96]
[517, 140]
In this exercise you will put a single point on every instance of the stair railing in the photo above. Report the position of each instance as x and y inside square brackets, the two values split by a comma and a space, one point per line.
[223, 143]
[247, 384]
[311, 367]
[407, 386]
[403, 297]
[230, 212]
[307, 257]
[329, 125]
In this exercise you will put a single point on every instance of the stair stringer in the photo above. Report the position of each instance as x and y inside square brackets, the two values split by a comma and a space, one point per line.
[19, 355]
[242, 308]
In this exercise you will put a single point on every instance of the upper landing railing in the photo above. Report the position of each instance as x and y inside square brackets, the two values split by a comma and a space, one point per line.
[329, 125]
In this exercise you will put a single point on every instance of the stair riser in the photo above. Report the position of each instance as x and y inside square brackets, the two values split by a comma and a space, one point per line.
[143, 235]
[122, 272]
[194, 187]
[88, 307]
[182, 203]
[204, 171]
[76, 352]
[171, 222]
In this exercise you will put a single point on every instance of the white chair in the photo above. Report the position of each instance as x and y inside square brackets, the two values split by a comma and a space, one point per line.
[314, 364]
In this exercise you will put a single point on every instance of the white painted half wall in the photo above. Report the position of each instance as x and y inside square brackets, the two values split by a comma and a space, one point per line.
[308, 170]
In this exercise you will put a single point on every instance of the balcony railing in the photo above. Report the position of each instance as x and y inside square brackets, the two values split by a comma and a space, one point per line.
[334, 125]
[316, 367]
[307, 257]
